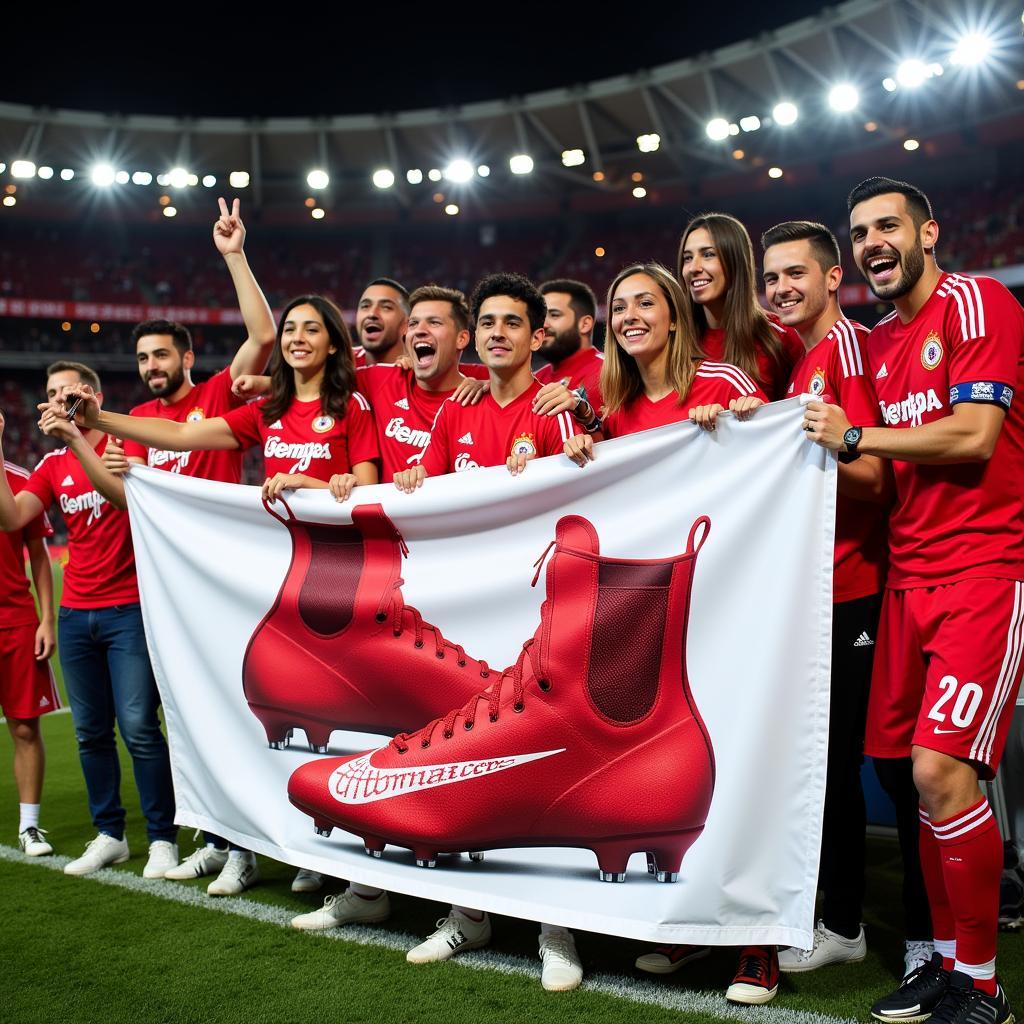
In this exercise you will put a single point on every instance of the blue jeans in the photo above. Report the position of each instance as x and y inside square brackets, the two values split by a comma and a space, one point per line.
[108, 675]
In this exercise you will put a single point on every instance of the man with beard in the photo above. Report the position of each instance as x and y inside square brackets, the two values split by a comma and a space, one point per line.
[568, 347]
[381, 319]
[946, 363]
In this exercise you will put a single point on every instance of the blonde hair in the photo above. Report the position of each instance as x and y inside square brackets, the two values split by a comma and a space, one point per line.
[620, 376]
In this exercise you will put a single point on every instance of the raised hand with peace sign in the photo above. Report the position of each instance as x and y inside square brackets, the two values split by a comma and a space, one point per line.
[228, 229]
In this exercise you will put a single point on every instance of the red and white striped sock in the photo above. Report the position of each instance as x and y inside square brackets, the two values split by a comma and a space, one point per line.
[943, 924]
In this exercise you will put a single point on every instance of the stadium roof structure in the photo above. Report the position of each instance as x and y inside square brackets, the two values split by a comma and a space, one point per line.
[920, 79]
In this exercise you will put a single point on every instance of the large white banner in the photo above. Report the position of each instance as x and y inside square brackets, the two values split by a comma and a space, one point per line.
[240, 609]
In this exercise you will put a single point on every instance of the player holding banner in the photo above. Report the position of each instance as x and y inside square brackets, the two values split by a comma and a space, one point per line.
[946, 363]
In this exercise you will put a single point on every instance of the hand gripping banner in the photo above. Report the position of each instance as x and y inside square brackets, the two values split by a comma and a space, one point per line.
[502, 691]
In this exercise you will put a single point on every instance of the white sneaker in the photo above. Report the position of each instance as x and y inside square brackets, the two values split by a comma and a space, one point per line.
[919, 952]
[562, 970]
[32, 842]
[241, 872]
[454, 934]
[307, 881]
[829, 948]
[163, 856]
[99, 852]
[345, 908]
[207, 860]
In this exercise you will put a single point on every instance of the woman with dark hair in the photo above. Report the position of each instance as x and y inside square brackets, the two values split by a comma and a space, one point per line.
[654, 372]
[715, 266]
[313, 427]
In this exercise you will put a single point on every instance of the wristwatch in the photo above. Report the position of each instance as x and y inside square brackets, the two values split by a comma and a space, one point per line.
[851, 439]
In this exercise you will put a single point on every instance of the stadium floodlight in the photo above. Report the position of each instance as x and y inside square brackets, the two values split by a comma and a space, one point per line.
[750, 124]
[318, 179]
[383, 178]
[102, 175]
[521, 163]
[483, 170]
[912, 73]
[843, 97]
[3, 167]
[452, 210]
[318, 213]
[459, 171]
[23, 169]
[238, 179]
[122, 177]
[193, 180]
[414, 176]
[66, 174]
[717, 129]
[434, 174]
[170, 211]
[209, 181]
[572, 157]
[142, 178]
[774, 172]
[163, 180]
[10, 200]
[889, 84]
[785, 113]
[649, 143]
[177, 177]
[910, 145]
[639, 192]
[46, 173]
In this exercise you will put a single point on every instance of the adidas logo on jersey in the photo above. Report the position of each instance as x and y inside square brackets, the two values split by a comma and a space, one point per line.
[276, 425]
[883, 372]
[863, 641]
[402, 403]
[67, 481]
[466, 438]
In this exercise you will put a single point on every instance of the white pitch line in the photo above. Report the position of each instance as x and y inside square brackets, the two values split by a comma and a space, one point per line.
[620, 986]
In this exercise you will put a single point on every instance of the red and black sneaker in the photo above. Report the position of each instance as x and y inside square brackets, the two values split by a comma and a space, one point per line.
[592, 739]
[757, 976]
[340, 649]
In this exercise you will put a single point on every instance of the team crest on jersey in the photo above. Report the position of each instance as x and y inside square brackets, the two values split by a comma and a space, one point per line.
[524, 445]
[931, 351]
[322, 424]
[195, 415]
[816, 385]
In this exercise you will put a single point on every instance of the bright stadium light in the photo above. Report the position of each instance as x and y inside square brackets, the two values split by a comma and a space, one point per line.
[170, 211]
[163, 180]
[572, 157]
[142, 178]
[910, 145]
[649, 143]
[785, 113]
[122, 177]
[383, 178]
[10, 200]
[238, 179]
[483, 170]
[749, 124]
[67, 174]
[209, 181]
[318, 213]
[317, 179]
[177, 177]
[521, 163]
[45, 173]
[23, 169]
[889, 84]
[459, 171]
[102, 175]
[843, 97]
[912, 73]
[452, 210]
[774, 172]
[717, 129]
[414, 176]
[639, 192]
[434, 174]
[3, 167]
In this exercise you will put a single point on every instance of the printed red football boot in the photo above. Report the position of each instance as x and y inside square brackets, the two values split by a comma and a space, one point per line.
[590, 740]
[340, 649]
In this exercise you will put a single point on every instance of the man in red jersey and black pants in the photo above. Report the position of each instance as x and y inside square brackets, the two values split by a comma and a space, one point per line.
[568, 346]
[102, 644]
[802, 275]
[27, 687]
[946, 365]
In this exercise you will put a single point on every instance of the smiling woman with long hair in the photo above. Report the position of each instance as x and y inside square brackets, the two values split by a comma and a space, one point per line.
[715, 266]
[313, 427]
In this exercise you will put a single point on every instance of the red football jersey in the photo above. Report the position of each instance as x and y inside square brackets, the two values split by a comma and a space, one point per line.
[468, 437]
[713, 384]
[101, 561]
[211, 398]
[405, 413]
[304, 440]
[833, 371]
[965, 520]
[581, 369]
[772, 377]
[16, 605]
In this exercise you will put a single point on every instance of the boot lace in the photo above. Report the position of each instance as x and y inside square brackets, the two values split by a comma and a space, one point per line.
[754, 964]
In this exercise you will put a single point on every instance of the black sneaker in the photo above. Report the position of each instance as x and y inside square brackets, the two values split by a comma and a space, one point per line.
[964, 1004]
[919, 994]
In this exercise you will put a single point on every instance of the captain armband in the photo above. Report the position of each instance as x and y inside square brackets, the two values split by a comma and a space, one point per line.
[990, 392]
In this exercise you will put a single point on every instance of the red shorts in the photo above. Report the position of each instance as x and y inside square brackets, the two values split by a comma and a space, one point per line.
[947, 670]
[27, 686]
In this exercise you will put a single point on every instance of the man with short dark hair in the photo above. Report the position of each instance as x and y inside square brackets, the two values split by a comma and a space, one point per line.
[381, 318]
[946, 363]
[568, 346]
